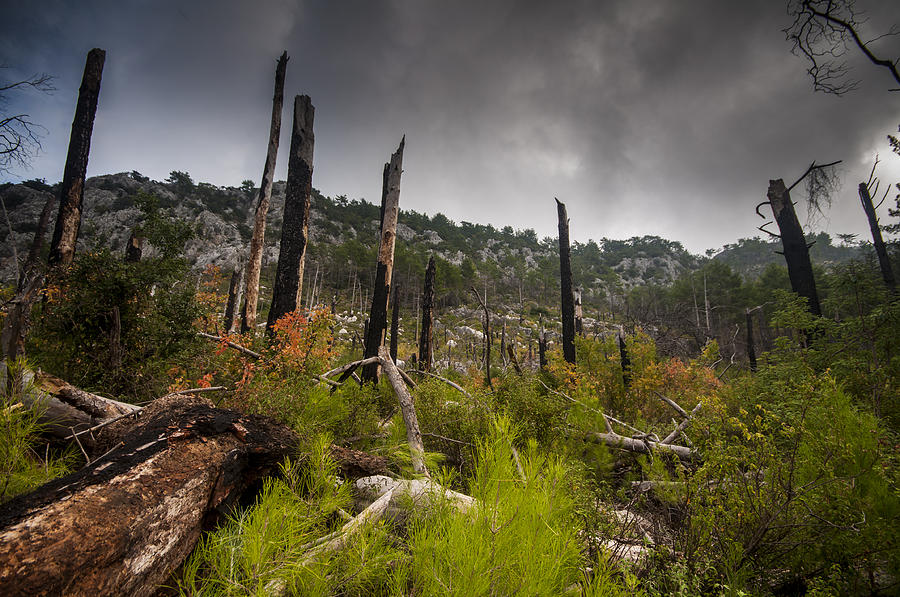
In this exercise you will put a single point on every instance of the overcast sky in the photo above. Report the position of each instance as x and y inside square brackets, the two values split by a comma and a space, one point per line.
[643, 116]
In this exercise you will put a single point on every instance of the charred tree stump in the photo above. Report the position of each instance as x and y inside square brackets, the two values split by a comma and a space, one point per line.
[295, 227]
[426, 346]
[395, 323]
[751, 348]
[120, 525]
[234, 298]
[257, 241]
[565, 279]
[626, 363]
[887, 273]
[796, 251]
[71, 193]
[390, 209]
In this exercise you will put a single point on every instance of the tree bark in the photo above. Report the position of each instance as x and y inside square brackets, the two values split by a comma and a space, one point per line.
[887, 273]
[135, 248]
[120, 525]
[796, 251]
[257, 241]
[625, 361]
[234, 298]
[426, 346]
[408, 410]
[71, 194]
[565, 279]
[751, 348]
[286, 295]
[395, 323]
[390, 209]
[37, 244]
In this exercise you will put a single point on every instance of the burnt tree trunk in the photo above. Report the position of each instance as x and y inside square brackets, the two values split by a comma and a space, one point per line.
[796, 251]
[887, 273]
[71, 193]
[426, 346]
[121, 524]
[286, 295]
[390, 209]
[257, 241]
[565, 282]
[134, 249]
[37, 244]
[395, 323]
[234, 298]
[626, 363]
[751, 347]
[542, 347]
[487, 336]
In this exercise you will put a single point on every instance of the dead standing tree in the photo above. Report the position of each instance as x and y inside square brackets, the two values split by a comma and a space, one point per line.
[234, 298]
[866, 190]
[426, 347]
[390, 210]
[487, 336]
[295, 228]
[257, 241]
[796, 250]
[565, 279]
[71, 193]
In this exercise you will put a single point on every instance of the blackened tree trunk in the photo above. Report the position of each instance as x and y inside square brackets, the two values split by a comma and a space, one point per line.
[626, 363]
[565, 282]
[257, 241]
[395, 323]
[390, 209]
[134, 249]
[37, 243]
[751, 347]
[286, 295]
[71, 193]
[887, 273]
[796, 251]
[234, 298]
[426, 347]
[487, 337]
[542, 347]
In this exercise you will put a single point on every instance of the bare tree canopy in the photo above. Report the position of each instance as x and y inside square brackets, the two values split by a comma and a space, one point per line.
[20, 137]
[824, 32]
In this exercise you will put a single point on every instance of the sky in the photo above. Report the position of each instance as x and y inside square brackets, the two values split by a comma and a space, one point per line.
[645, 117]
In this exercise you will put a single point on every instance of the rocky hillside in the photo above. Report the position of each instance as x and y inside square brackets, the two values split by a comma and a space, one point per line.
[514, 264]
[221, 218]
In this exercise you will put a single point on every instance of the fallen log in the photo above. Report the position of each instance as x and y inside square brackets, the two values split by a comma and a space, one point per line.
[643, 445]
[122, 524]
[64, 406]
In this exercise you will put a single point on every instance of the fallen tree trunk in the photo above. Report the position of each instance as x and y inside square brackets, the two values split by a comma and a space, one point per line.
[122, 524]
[643, 445]
[64, 407]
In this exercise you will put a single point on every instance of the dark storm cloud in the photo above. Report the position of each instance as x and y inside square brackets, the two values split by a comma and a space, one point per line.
[645, 117]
